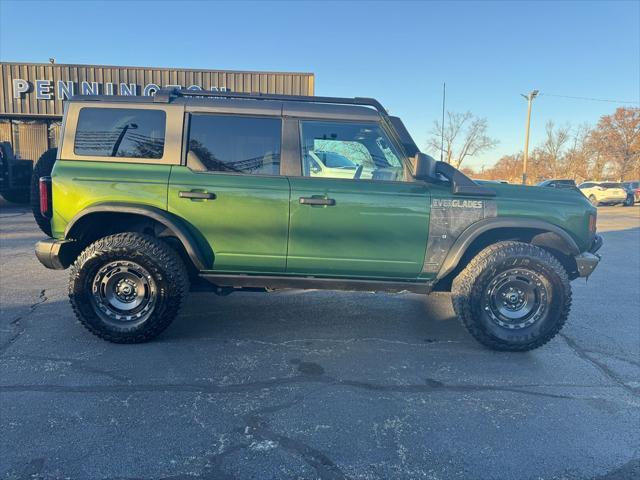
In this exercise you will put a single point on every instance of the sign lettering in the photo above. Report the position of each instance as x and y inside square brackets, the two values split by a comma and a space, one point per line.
[63, 89]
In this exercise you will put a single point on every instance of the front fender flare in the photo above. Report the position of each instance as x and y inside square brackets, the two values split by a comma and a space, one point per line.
[476, 229]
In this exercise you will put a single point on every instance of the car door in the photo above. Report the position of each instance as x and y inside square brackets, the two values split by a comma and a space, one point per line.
[231, 193]
[374, 227]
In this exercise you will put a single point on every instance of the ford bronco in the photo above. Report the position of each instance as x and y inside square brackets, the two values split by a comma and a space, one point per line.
[149, 198]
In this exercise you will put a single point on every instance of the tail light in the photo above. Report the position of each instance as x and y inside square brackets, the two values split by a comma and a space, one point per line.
[45, 197]
[592, 223]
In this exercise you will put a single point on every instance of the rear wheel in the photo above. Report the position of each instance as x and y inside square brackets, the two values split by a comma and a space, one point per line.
[594, 200]
[513, 296]
[42, 168]
[127, 287]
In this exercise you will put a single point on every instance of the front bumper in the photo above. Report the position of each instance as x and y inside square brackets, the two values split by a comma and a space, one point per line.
[56, 254]
[587, 261]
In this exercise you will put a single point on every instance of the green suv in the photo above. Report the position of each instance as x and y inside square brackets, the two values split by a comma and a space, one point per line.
[149, 198]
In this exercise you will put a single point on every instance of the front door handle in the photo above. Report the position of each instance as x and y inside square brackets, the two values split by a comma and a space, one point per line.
[194, 195]
[329, 202]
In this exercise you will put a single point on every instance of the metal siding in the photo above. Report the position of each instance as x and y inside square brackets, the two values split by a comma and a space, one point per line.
[33, 140]
[265, 82]
[5, 131]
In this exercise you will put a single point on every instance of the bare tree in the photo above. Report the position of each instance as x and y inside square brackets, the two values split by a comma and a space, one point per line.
[610, 150]
[552, 148]
[578, 156]
[464, 136]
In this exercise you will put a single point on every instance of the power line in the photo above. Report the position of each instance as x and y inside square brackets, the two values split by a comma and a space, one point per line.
[587, 98]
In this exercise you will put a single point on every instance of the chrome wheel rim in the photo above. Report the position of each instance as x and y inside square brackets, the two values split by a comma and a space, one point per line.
[123, 292]
[515, 299]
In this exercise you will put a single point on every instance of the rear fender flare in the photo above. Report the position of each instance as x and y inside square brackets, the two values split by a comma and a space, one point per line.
[201, 259]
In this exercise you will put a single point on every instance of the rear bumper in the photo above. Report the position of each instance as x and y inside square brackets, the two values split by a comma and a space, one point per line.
[587, 261]
[56, 254]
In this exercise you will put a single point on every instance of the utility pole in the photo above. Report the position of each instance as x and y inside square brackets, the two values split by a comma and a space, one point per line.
[530, 96]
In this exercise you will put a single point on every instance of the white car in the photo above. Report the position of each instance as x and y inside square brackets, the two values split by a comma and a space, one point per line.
[603, 192]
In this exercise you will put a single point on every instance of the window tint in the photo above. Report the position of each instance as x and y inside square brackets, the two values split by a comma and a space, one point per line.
[225, 143]
[348, 150]
[611, 185]
[120, 132]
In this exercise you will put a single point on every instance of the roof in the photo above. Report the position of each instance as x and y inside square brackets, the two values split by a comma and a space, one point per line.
[294, 105]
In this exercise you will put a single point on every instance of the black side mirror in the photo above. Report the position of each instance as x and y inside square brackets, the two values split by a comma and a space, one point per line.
[424, 166]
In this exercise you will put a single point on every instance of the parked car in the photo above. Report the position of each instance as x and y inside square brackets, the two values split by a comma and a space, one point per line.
[558, 183]
[153, 196]
[599, 193]
[15, 175]
[480, 180]
[633, 192]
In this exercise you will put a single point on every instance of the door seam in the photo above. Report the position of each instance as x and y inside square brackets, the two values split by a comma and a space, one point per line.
[286, 254]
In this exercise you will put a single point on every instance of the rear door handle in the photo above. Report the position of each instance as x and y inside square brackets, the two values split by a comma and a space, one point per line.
[330, 202]
[197, 195]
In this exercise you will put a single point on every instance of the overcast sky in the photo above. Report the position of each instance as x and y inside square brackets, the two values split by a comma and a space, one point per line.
[401, 53]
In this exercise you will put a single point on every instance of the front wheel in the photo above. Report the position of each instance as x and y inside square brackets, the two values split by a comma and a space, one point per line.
[512, 296]
[594, 200]
[127, 287]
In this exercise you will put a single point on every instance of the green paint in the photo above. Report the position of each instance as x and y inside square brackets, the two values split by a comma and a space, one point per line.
[246, 225]
[375, 229]
[80, 184]
[256, 224]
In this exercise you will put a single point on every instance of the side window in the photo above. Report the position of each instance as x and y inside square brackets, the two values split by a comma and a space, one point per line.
[120, 132]
[586, 185]
[227, 143]
[348, 150]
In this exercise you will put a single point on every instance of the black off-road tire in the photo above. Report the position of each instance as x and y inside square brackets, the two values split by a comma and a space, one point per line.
[42, 168]
[474, 291]
[157, 265]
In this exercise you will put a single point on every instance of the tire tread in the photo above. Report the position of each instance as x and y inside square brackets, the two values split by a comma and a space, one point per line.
[161, 254]
[462, 289]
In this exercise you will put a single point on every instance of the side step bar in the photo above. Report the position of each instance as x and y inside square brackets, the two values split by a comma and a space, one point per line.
[313, 283]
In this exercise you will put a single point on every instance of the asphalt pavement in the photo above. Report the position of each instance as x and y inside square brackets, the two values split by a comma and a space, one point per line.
[318, 384]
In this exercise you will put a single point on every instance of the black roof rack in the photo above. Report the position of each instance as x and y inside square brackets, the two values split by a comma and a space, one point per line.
[168, 94]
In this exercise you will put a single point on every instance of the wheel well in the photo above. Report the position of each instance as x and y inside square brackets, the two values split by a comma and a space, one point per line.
[93, 226]
[550, 241]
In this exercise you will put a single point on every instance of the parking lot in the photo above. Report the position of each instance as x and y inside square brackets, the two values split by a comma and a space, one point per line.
[318, 384]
